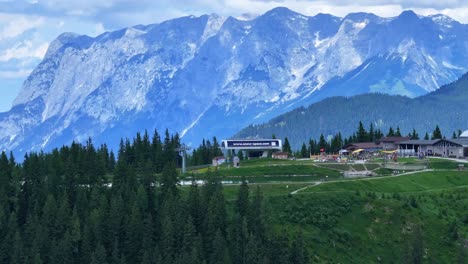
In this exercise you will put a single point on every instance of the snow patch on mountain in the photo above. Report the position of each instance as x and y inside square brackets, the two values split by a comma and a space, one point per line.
[215, 22]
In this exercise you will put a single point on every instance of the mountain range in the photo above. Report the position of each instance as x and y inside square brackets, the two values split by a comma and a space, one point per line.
[445, 107]
[212, 76]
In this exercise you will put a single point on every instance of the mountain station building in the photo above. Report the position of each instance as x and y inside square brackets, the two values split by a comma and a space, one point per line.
[452, 148]
[254, 147]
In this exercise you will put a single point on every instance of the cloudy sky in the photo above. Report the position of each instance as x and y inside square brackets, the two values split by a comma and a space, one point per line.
[28, 26]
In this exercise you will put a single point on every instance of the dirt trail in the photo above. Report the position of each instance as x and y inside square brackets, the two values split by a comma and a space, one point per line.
[359, 179]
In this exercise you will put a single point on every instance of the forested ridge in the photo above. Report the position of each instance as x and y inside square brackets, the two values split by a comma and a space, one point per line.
[83, 204]
[444, 107]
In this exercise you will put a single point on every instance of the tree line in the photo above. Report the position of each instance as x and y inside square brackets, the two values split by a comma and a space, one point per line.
[336, 142]
[205, 153]
[81, 204]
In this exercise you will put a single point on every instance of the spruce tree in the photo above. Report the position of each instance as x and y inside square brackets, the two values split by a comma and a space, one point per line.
[135, 232]
[378, 134]
[256, 218]
[219, 252]
[286, 146]
[253, 252]
[398, 132]
[414, 135]
[323, 144]
[437, 134]
[99, 255]
[362, 135]
[371, 134]
[242, 203]
[304, 152]
[169, 179]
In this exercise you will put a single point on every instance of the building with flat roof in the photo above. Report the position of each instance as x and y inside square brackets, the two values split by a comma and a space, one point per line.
[254, 147]
[454, 148]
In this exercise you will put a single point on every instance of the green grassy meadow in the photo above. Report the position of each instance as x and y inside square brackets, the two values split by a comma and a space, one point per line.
[370, 220]
[419, 182]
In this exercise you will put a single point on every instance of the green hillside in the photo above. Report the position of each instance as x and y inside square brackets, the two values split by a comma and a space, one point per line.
[420, 218]
[444, 107]
[78, 204]
[420, 182]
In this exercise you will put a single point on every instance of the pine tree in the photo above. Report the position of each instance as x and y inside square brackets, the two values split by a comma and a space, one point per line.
[414, 135]
[312, 146]
[99, 255]
[426, 136]
[304, 152]
[194, 206]
[134, 231]
[62, 251]
[242, 203]
[17, 249]
[75, 235]
[371, 134]
[336, 142]
[390, 133]
[437, 134]
[286, 146]
[323, 144]
[219, 253]
[256, 218]
[398, 132]
[378, 134]
[362, 135]
[169, 179]
[253, 252]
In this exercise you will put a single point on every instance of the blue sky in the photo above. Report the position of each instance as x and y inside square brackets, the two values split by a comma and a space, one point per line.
[28, 26]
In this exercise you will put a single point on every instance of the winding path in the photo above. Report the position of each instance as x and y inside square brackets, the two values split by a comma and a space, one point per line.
[359, 179]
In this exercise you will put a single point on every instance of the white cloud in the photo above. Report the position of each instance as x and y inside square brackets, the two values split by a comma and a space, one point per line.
[15, 74]
[456, 9]
[18, 25]
[459, 14]
[114, 14]
[23, 50]
[99, 29]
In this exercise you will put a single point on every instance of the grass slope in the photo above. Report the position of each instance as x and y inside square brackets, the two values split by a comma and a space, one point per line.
[427, 181]
[414, 218]
[380, 221]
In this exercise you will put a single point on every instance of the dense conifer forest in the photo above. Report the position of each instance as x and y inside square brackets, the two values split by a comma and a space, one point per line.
[83, 204]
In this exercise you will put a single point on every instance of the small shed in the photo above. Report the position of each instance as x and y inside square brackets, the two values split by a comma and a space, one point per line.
[236, 161]
[280, 155]
[218, 160]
